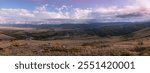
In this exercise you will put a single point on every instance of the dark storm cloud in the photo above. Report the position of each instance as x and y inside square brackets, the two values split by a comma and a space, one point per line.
[130, 15]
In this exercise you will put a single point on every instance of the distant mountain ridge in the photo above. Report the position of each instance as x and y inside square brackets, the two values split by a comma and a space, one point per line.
[81, 30]
[79, 25]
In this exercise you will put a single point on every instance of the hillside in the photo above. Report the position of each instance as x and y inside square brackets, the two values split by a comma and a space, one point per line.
[5, 37]
[144, 33]
[116, 39]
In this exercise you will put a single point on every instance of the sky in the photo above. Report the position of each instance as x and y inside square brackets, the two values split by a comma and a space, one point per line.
[73, 11]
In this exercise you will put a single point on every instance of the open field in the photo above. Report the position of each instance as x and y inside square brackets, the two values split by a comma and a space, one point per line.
[72, 42]
[75, 47]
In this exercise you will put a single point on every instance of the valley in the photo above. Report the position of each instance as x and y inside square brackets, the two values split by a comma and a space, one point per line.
[117, 39]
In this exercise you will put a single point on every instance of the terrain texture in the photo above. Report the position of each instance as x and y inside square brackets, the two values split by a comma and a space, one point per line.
[95, 39]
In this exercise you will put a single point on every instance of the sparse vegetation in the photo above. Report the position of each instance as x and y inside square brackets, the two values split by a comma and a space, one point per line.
[116, 40]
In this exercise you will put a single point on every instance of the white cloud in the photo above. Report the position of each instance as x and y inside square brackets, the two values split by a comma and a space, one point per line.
[81, 13]
[101, 14]
[14, 15]
[143, 3]
[107, 10]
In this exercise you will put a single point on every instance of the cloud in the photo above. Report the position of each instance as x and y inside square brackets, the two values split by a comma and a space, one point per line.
[143, 3]
[81, 13]
[64, 14]
[15, 15]
[131, 15]
[40, 14]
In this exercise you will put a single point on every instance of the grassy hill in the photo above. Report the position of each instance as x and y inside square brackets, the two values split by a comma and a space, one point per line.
[112, 39]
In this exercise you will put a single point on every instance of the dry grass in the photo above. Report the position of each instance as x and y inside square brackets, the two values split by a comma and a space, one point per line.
[98, 47]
